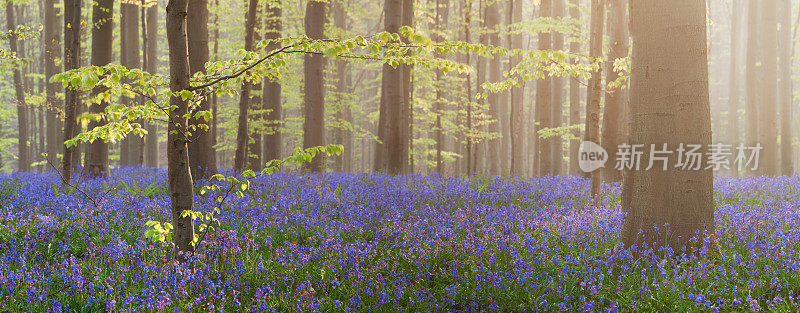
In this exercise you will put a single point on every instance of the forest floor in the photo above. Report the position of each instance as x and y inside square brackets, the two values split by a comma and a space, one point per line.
[386, 243]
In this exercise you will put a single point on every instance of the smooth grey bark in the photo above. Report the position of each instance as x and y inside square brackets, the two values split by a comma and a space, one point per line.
[314, 95]
[272, 88]
[202, 157]
[72, 50]
[96, 161]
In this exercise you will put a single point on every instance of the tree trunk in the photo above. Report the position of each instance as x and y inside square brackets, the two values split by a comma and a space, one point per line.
[132, 152]
[344, 136]
[668, 105]
[72, 49]
[440, 24]
[254, 149]
[242, 135]
[55, 137]
[616, 99]
[102, 37]
[314, 96]
[785, 91]
[592, 132]
[408, 92]
[24, 161]
[574, 96]
[557, 107]
[768, 116]
[544, 99]
[272, 89]
[389, 156]
[178, 172]
[494, 146]
[151, 140]
[202, 158]
[752, 74]
[516, 121]
[734, 98]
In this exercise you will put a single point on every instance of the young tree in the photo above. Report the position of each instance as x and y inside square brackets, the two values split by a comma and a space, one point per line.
[202, 157]
[343, 135]
[272, 87]
[616, 100]
[592, 132]
[668, 106]
[179, 175]
[242, 135]
[314, 95]
[96, 161]
[72, 50]
[24, 158]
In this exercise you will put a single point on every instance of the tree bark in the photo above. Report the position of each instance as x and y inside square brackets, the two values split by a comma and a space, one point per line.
[495, 100]
[151, 140]
[55, 142]
[389, 156]
[408, 93]
[254, 149]
[516, 121]
[242, 135]
[440, 24]
[96, 161]
[72, 50]
[23, 157]
[574, 96]
[202, 158]
[785, 91]
[616, 99]
[132, 152]
[768, 116]
[314, 96]
[544, 99]
[669, 104]
[557, 107]
[178, 172]
[592, 132]
[344, 136]
[272, 89]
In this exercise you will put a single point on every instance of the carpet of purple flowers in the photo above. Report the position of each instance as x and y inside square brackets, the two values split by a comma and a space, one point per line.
[350, 243]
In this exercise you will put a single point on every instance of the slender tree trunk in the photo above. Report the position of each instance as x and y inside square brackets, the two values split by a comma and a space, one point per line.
[214, 98]
[544, 99]
[102, 37]
[55, 138]
[389, 156]
[616, 99]
[254, 149]
[272, 89]
[72, 49]
[785, 91]
[132, 152]
[592, 132]
[557, 151]
[343, 135]
[669, 105]
[734, 99]
[480, 72]
[24, 161]
[314, 96]
[408, 92]
[202, 158]
[495, 100]
[178, 172]
[574, 96]
[768, 116]
[440, 24]
[752, 74]
[151, 140]
[517, 167]
[242, 135]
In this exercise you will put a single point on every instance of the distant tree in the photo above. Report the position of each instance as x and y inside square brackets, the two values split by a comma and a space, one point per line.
[592, 132]
[202, 157]
[768, 114]
[753, 101]
[151, 55]
[442, 15]
[131, 147]
[544, 100]
[557, 152]
[55, 139]
[669, 105]
[72, 50]
[516, 120]
[388, 156]
[344, 136]
[616, 100]
[314, 93]
[272, 87]
[497, 101]
[243, 135]
[735, 64]
[785, 89]
[23, 146]
[96, 161]
[574, 95]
